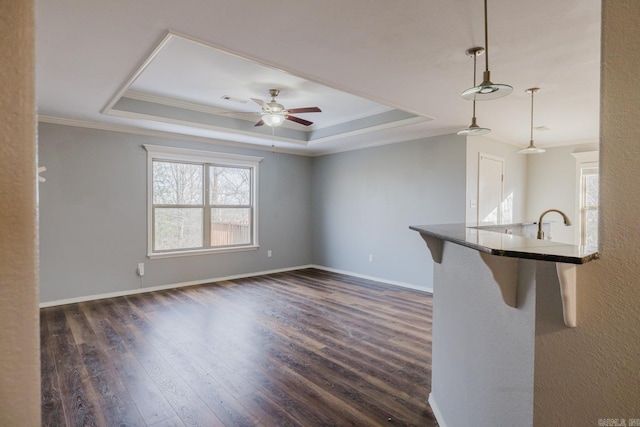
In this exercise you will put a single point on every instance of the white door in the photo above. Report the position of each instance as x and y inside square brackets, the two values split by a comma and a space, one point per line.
[490, 189]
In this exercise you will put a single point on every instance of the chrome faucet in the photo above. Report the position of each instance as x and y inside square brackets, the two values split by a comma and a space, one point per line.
[566, 219]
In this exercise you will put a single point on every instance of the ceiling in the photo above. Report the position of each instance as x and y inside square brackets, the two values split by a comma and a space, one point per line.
[380, 74]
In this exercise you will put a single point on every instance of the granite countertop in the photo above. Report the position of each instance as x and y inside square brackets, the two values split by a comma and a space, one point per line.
[508, 245]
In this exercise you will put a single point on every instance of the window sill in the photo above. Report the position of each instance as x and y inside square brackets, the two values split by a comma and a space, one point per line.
[201, 252]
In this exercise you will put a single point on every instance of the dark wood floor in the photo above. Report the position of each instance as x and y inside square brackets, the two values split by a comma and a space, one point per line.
[303, 348]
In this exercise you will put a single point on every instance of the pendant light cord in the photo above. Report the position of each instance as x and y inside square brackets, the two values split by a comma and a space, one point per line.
[273, 139]
[475, 59]
[486, 38]
[531, 134]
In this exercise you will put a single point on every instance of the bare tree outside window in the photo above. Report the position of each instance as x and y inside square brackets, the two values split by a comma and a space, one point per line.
[230, 199]
[230, 186]
[177, 183]
[177, 198]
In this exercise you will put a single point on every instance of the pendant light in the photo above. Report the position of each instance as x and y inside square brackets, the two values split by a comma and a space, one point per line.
[474, 129]
[487, 89]
[532, 149]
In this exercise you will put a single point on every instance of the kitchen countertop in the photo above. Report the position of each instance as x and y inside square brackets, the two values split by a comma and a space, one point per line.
[508, 245]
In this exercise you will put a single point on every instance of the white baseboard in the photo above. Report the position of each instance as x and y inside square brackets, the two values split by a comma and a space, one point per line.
[221, 279]
[163, 287]
[375, 279]
[436, 411]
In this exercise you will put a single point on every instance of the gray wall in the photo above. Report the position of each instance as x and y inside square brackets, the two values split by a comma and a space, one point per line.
[364, 200]
[93, 229]
[333, 211]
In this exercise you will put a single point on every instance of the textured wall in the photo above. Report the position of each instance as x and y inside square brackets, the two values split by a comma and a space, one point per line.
[482, 357]
[364, 201]
[19, 331]
[593, 371]
[93, 215]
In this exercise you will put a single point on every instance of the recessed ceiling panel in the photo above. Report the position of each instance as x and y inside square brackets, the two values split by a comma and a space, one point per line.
[191, 83]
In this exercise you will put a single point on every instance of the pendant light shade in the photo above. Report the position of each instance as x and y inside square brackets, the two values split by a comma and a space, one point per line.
[487, 89]
[532, 149]
[474, 129]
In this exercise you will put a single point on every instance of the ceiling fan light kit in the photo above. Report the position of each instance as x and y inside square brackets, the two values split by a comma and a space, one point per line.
[474, 129]
[487, 89]
[274, 114]
[273, 119]
[531, 149]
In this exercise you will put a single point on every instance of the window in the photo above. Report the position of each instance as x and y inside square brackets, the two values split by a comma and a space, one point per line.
[589, 205]
[588, 197]
[200, 202]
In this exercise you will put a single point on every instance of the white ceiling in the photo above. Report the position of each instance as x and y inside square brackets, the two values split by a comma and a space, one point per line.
[173, 60]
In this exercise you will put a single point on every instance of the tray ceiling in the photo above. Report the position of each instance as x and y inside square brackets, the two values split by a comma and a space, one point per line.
[380, 74]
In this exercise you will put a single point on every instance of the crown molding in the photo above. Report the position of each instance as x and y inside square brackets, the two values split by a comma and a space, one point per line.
[520, 145]
[214, 141]
[390, 141]
[163, 134]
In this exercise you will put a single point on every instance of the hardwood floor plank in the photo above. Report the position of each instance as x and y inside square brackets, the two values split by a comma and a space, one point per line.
[185, 402]
[267, 411]
[77, 394]
[174, 421]
[52, 408]
[230, 412]
[115, 402]
[301, 348]
[144, 393]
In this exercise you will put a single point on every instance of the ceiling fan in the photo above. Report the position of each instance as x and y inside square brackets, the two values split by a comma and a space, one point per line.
[274, 114]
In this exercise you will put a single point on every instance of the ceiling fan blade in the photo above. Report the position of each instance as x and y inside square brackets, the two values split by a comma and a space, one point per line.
[260, 102]
[305, 110]
[299, 120]
[260, 123]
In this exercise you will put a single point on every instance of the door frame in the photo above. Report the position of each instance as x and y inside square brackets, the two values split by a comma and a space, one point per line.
[501, 160]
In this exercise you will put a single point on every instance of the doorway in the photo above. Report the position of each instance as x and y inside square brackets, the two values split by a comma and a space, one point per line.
[490, 189]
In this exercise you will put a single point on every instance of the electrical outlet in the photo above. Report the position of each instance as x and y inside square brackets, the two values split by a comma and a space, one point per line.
[141, 269]
[269, 253]
[370, 258]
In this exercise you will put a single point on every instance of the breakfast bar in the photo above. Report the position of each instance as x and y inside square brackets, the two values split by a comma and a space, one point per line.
[497, 295]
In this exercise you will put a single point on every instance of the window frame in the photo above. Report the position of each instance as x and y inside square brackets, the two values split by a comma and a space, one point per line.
[206, 159]
[585, 170]
[585, 160]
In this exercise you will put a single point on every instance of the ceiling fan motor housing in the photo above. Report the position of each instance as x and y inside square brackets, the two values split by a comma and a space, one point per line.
[274, 107]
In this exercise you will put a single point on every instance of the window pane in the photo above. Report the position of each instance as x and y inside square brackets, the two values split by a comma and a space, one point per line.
[177, 183]
[178, 228]
[591, 229]
[229, 186]
[230, 226]
[591, 189]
